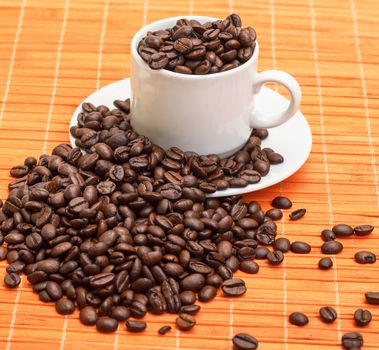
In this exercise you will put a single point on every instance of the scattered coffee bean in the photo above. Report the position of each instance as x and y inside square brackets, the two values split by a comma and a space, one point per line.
[164, 329]
[234, 287]
[207, 293]
[275, 258]
[282, 244]
[297, 214]
[185, 322]
[88, 315]
[135, 326]
[328, 314]
[106, 325]
[281, 202]
[372, 298]
[331, 247]
[362, 317]
[325, 263]
[244, 341]
[365, 257]
[343, 230]
[352, 341]
[363, 230]
[300, 247]
[298, 319]
[328, 235]
[274, 214]
[64, 306]
[261, 253]
[249, 266]
[12, 280]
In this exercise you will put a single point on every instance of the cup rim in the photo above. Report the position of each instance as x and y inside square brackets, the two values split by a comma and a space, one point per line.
[168, 73]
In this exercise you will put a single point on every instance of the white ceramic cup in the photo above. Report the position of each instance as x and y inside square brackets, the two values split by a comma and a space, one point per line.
[207, 114]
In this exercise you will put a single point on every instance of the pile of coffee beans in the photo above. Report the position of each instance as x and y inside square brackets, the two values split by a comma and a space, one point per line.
[194, 48]
[115, 149]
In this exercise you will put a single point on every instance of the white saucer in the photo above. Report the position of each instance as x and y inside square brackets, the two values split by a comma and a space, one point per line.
[293, 140]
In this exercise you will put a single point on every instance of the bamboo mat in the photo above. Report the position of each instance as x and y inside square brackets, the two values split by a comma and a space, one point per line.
[53, 53]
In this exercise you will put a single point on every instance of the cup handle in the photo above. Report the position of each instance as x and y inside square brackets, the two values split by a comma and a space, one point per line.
[261, 120]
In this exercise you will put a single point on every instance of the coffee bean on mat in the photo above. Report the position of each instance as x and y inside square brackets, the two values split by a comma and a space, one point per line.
[343, 230]
[274, 214]
[353, 340]
[363, 230]
[244, 341]
[164, 329]
[331, 247]
[275, 258]
[12, 280]
[185, 322]
[281, 202]
[362, 317]
[135, 326]
[106, 325]
[325, 263]
[300, 247]
[365, 257]
[372, 298]
[282, 244]
[328, 314]
[234, 287]
[297, 214]
[298, 319]
[328, 235]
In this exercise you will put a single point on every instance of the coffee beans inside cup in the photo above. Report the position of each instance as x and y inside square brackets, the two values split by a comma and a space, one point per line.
[191, 47]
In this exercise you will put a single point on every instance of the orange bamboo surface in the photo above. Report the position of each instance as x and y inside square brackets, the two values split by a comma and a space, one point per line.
[53, 53]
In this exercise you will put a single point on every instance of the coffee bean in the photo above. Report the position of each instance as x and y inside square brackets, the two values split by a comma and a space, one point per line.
[300, 247]
[364, 257]
[275, 258]
[233, 287]
[328, 235]
[19, 171]
[343, 230]
[3, 253]
[12, 280]
[274, 214]
[331, 247]
[282, 244]
[261, 253]
[298, 319]
[190, 309]
[353, 340]
[328, 314]
[135, 326]
[88, 315]
[244, 341]
[185, 322]
[106, 325]
[363, 230]
[187, 297]
[325, 263]
[164, 329]
[372, 298]
[64, 306]
[362, 317]
[249, 266]
[207, 293]
[297, 214]
[281, 202]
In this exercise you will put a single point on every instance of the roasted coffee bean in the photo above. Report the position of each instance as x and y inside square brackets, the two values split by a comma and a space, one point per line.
[207, 293]
[364, 257]
[275, 258]
[325, 263]
[12, 280]
[274, 214]
[261, 253]
[331, 247]
[185, 322]
[249, 266]
[244, 341]
[164, 329]
[297, 214]
[372, 298]
[187, 297]
[328, 235]
[298, 319]
[343, 230]
[362, 317]
[120, 313]
[282, 244]
[64, 306]
[3, 253]
[193, 282]
[135, 326]
[300, 247]
[353, 340]
[281, 202]
[363, 230]
[88, 315]
[106, 325]
[234, 287]
[328, 314]
[266, 234]
[190, 309]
